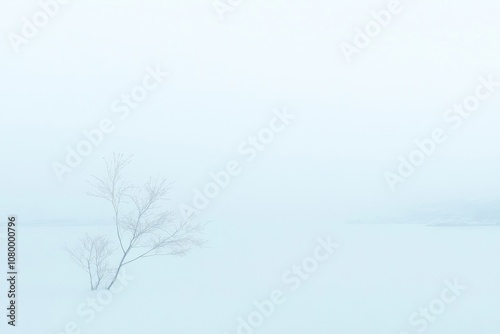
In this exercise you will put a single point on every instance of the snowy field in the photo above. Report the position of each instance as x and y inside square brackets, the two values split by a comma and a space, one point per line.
[373, 283]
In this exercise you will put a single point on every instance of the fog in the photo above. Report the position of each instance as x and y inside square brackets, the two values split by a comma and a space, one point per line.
[353, 120]
[278, 122]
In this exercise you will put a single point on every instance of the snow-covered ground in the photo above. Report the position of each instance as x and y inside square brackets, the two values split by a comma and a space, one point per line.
[372, 284]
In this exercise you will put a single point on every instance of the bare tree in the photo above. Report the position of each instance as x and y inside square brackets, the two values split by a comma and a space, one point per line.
[92, 254]
[143, 227]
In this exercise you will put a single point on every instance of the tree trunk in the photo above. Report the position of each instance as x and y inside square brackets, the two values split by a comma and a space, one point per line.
[118, 269]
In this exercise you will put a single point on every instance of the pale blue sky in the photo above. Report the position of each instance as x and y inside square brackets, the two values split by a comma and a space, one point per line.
[226, 76]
